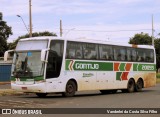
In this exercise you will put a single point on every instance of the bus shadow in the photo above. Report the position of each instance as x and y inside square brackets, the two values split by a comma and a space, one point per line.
[58, 96]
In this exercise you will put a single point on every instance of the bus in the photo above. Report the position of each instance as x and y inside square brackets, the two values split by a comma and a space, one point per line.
[44, 65]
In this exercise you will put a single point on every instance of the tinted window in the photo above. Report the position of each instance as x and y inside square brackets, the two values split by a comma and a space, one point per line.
[57, 46]
[119, 53]
[74, 50]
[105, 52]
[149, 55]
[141, 55]
[131, 54]
[55, 59]
[90, 51]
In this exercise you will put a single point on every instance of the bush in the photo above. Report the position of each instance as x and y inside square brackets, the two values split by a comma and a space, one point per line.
[158, 75]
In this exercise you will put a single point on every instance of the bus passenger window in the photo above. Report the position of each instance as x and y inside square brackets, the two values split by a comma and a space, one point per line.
[90, 51]
[74, 50]
[120, 53]
[78, 54]
[71, 53]
[141, 55]
[105, 52]
[149, 56]
[129, 55]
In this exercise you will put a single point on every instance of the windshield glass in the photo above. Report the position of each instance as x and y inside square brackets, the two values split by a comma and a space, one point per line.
[28, 64]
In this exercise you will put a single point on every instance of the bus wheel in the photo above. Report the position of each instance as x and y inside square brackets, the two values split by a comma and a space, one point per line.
[70, 89]
[130, 86]
[139, 85]
[41, 95]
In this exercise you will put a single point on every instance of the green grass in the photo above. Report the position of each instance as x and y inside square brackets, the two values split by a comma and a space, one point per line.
[158, 75]
[158, 78]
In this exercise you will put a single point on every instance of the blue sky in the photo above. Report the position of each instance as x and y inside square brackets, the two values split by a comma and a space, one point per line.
[97, 19]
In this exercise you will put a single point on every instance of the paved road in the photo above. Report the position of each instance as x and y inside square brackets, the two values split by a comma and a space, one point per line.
[148, 98]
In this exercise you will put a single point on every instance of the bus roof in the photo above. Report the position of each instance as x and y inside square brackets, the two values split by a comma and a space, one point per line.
[83, 39]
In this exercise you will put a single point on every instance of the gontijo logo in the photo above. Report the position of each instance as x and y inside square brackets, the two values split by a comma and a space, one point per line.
[88, 65]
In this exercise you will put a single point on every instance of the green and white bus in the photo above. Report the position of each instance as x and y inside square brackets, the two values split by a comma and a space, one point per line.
[45, 65]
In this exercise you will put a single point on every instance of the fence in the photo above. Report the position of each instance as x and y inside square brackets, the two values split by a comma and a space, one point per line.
[5, 70]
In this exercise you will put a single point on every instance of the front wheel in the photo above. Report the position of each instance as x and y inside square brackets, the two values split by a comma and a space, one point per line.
[70, 89]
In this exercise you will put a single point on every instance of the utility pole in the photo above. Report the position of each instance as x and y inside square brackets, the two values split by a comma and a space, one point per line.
[152, 30]
[61, 28]
[30, 18]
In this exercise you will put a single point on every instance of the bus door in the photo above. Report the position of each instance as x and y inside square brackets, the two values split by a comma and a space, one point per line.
[54, 64]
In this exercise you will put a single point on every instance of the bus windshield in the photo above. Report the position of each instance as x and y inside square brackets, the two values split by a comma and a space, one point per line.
[28, 64]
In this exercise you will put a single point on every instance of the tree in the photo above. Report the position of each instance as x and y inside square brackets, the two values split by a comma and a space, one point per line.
[157, 47]
[145, 39]
[5, 32]
[36, 34]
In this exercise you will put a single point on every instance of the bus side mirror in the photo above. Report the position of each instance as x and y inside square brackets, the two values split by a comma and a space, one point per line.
[6, 54]
[43, 54]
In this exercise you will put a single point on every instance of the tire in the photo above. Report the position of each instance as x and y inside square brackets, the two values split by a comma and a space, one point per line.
[131, 86]
[41, 95]
[70, 89]
[139, 85]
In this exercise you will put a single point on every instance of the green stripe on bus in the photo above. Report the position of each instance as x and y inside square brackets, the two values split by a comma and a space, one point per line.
[36, 78]
[135, 67]
[90, 66]
[122, 67]
[118, 75]
[144, 67]
[104, 66]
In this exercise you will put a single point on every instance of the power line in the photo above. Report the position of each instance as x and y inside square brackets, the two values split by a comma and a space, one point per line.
[108, 30]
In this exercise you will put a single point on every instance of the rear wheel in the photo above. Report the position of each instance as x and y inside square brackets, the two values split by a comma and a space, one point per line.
[130, 86]
[139, 85]
[41, 95]
[70, 89]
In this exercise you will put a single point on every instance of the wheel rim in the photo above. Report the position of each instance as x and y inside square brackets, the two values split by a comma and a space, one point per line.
[70, 88]
[130, 85]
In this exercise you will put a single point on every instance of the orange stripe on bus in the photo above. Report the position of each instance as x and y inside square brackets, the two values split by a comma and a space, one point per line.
[124, 76]
[116, 66]
[128, 66]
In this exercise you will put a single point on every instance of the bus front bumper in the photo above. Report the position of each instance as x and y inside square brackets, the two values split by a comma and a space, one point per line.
[29, 88]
